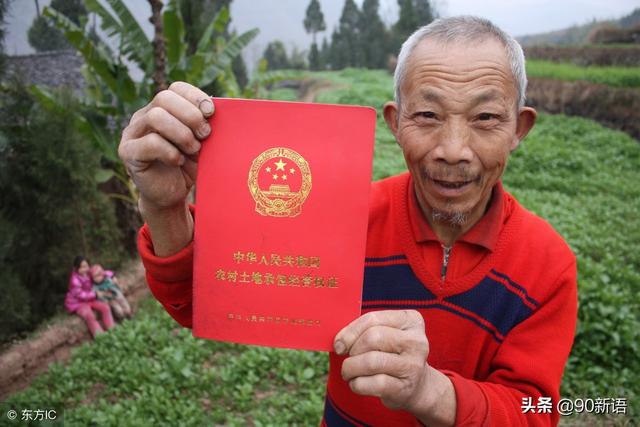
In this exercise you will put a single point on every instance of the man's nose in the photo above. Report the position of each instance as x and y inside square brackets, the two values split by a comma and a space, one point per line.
[454, 145]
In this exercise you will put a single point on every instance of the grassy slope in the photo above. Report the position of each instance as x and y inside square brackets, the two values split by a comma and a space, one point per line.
[612, 76]
[579, 176]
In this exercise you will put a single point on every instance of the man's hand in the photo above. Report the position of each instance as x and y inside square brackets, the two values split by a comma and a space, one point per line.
[388, 358]
[160, 149]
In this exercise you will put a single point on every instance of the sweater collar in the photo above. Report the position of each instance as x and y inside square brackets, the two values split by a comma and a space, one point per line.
[484, 233]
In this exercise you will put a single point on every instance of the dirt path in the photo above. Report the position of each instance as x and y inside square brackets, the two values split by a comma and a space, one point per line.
[23, 361]
[310, 88]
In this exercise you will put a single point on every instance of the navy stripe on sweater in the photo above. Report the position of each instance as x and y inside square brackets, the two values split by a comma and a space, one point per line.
[386, 258]
[393, 282]
[490, 300]
[515, 285]
[333, 416]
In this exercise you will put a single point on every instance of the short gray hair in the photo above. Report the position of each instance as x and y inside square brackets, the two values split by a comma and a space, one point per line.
[464, 28]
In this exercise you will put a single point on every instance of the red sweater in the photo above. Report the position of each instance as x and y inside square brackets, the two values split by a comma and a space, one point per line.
[500, 325]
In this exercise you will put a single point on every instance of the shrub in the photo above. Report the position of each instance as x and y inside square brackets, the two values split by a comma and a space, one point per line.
[50, 208]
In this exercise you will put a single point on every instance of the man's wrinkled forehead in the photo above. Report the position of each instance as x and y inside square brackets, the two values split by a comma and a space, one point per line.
[464, 53]
[460, 61]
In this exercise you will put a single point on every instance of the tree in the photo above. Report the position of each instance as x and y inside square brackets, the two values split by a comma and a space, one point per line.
[345, 42]
[112, 95]
[413, 14]
[403, 26]
[314, 58]
[423, 13]
[196, 16]
[372, 35]
[159, 50]
[314, 20]
[276, 56]
[4, 5]
[324, 54]
[313, 24]
[43, 36]
[297, 59]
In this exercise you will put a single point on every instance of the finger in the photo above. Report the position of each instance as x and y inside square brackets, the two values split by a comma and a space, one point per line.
[380, 338]
[376, 385]
[373, 363]
[139, 153]
[190, 171]
[182, 109]
[400, 319]
[162, 122]
[195, 96]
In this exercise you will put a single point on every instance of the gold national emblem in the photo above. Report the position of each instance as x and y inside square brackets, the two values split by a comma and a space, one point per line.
[279, 181]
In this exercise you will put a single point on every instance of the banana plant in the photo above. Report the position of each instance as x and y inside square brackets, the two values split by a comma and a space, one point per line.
[112, 94]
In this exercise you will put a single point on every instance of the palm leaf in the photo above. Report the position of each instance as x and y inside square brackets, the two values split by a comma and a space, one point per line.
[174, 35]
[46, 98]
[109, 24]
[115, 76]
[135, 44]
[94, 131]
[215, 64]
[217, 25]
[234, 47]
[229, 84]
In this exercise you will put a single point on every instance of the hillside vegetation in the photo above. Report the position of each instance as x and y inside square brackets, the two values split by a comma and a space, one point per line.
[612, 76]
[578, 175]
[579, 34]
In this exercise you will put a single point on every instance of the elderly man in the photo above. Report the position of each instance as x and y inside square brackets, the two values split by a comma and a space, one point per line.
[469, 299]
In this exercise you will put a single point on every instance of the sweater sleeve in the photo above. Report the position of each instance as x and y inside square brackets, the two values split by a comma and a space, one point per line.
[529, 364]
[169, 278]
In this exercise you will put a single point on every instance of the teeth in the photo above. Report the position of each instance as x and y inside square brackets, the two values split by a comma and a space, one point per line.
[452, 184]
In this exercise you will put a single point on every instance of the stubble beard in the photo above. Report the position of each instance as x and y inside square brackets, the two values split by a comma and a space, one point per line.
[453, 218]
[449, 216]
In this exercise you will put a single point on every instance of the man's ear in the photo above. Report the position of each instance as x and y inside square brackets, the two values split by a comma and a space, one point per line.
[391, 116]
[526, 120]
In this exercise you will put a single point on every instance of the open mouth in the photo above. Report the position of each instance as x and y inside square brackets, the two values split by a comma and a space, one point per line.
[452, 184]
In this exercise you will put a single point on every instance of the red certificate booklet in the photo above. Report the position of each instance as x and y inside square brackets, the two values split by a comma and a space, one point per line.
[282, 204]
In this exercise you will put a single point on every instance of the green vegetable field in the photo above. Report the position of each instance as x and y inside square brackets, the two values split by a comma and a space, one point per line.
[612, 76]
[583, 178]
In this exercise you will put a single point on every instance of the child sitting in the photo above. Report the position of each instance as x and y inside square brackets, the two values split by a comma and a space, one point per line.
[105, 284]
[81, 299]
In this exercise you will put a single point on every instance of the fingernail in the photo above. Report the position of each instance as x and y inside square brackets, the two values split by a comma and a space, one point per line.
[204, 130]
[206, 106]
[339, 346]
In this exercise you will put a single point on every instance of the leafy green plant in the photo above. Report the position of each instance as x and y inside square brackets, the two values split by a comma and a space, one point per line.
[612, 75]
[113, 95]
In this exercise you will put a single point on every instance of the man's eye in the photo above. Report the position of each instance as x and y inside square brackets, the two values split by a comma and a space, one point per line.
[427, 114]
[486, 116]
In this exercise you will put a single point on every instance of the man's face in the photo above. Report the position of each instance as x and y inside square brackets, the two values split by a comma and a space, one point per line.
[457, 124]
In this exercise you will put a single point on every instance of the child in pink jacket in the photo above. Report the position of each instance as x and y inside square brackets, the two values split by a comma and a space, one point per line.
[81, 299]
